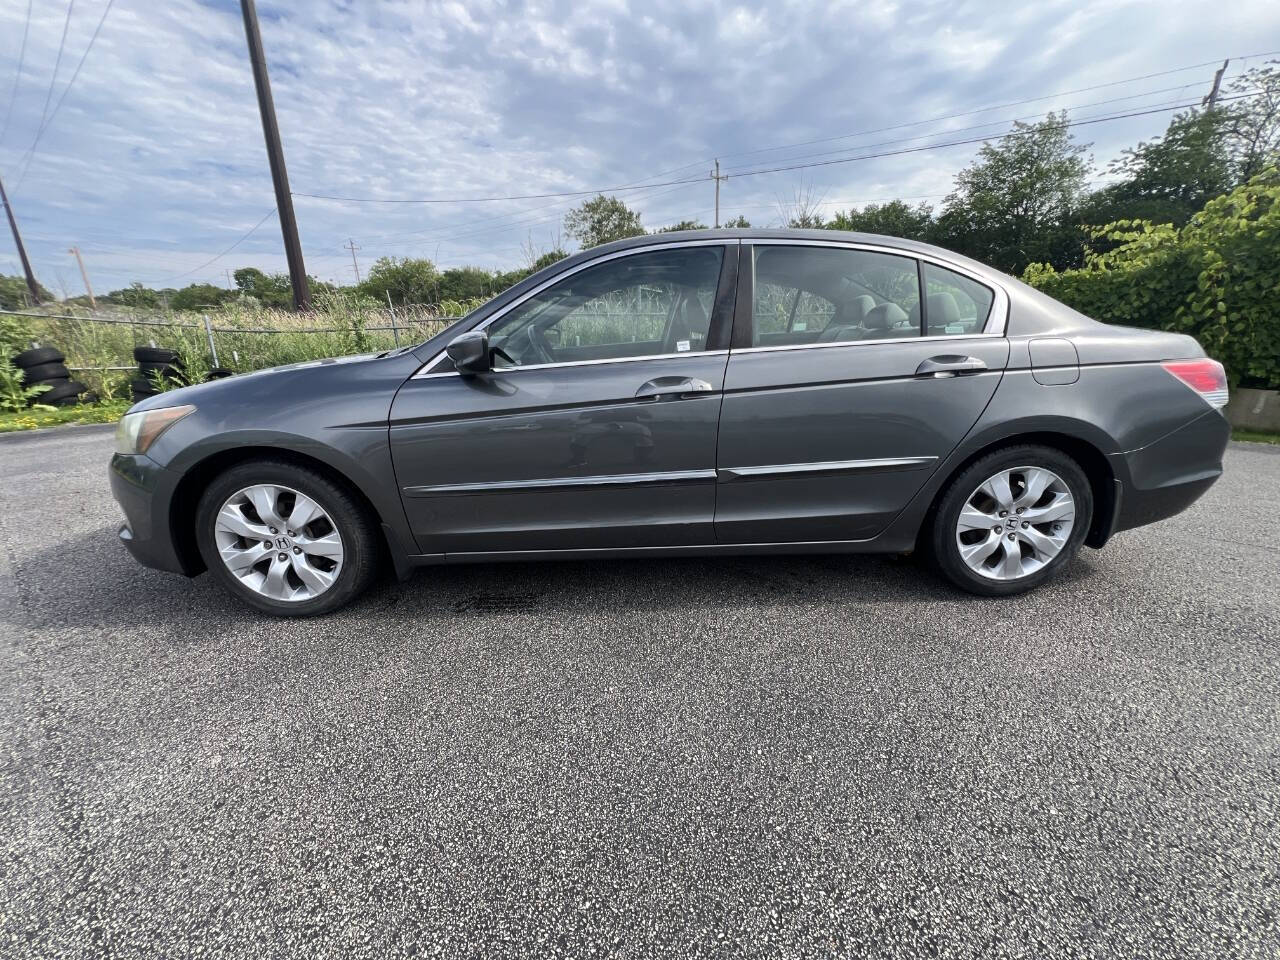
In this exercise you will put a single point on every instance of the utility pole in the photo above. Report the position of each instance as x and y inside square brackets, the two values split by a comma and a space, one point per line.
[230, 285]
[32, 286]
[84, 275]
[275, 156]
[353, 247]
[717, 178]
[1212, 98]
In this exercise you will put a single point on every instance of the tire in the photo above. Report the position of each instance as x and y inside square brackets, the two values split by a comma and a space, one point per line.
[154, 355]
[36, 356]
[347, 516]
[943, 539]
[44, 372]
[141, 389]
[63, 395]
[166, 372]
[167, 368]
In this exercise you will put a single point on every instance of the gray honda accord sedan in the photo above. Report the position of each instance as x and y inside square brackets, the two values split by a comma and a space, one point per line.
[709, 392]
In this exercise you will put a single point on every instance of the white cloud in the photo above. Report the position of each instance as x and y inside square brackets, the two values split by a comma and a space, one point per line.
[155, 161]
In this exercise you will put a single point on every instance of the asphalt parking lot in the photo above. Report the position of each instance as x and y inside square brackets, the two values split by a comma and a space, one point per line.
[735, 757]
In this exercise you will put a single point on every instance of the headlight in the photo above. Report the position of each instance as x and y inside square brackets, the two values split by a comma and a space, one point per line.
[136, 432]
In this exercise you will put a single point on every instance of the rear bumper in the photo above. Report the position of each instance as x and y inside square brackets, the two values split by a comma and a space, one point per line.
[1165, 477]
[144, 491]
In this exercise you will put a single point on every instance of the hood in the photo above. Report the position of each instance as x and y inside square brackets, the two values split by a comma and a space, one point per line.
[290, 381]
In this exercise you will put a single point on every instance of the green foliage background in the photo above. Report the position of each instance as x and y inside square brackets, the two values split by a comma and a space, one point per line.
[1216, 278]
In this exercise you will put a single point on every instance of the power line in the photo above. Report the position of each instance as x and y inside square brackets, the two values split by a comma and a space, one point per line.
[778, 169]
[45, 124]
[1001, 106]
[969, 140]
[17, 78]
[531, 216]
[532, 221]
[387, 239]
[522, 196]
[53, 80]
[636, 185]
[248, 233]
[989, 123]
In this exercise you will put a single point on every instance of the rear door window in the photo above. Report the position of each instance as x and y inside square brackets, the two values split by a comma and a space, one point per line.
[810, 294]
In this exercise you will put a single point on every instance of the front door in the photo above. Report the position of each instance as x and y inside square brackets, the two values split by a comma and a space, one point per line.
[842, 394]
[597, 426]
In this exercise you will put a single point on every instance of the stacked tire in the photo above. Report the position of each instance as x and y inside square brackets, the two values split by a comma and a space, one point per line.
[47, 367]
[156, 363]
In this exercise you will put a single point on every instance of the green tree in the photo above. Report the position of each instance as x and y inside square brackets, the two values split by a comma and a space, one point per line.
[14, 294]
[547, 259]
[602, 220]
[682, 225]
[134, 295]
[406, 279]
[1214, 278]
[737, 223]
[892, 219]
[198, 296]
[1012, 205]
[269, 289]
[1168, 179]
[466, 283]
[1253, 124]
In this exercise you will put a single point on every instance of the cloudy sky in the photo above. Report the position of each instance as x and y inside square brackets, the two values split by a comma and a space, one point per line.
[153, 160]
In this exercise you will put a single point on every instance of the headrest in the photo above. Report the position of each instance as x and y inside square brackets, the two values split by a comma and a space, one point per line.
[943, 309]
[883, 317]
[856, 310]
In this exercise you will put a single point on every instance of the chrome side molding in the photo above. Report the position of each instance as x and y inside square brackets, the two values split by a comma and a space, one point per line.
[881, 465]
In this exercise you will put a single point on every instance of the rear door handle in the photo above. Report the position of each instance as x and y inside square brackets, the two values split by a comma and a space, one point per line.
[950, 365]
[672, 388]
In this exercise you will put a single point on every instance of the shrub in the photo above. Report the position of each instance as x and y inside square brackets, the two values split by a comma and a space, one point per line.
[1217, 278]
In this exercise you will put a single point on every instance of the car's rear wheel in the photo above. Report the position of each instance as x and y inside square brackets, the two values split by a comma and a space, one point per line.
[1011, 520]
[285, 539]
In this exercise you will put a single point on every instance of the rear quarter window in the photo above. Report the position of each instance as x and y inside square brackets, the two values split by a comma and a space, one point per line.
[955, 304]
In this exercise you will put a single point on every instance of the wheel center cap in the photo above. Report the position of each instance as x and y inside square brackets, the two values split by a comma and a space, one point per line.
[1012, 523]
[284, 543]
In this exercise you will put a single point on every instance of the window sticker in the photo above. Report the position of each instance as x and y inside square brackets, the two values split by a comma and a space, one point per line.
[682, 346]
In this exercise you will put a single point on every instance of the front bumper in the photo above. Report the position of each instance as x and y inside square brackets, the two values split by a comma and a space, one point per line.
[1166, 477]
[144, 490]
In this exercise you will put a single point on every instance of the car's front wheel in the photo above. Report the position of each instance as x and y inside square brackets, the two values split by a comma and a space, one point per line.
[1011, 520]
[285, 539]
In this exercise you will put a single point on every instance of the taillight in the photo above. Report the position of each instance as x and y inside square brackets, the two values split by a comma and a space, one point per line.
[1206, 377]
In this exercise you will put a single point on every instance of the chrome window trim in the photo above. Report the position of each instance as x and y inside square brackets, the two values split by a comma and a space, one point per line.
[997, 316]
[953, 338]
[425, 370]
[585, 363]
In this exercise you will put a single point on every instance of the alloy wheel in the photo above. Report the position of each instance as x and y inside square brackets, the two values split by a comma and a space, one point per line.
[1015, 523]
[278, 542]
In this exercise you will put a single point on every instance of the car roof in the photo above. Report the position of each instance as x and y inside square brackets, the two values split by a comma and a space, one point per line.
[760, 233]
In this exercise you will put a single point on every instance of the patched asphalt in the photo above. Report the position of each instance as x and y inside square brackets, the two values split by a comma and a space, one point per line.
[774, 757]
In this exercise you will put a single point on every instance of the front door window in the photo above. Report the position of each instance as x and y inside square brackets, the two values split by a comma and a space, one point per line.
[645, 304]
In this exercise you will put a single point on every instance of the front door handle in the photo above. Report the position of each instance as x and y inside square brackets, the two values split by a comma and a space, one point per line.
[672, 388]
[950, 365]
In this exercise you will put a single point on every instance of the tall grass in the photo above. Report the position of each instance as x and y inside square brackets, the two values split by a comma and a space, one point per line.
[247, 337]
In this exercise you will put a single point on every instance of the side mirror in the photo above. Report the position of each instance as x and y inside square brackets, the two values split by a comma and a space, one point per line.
[470, 352]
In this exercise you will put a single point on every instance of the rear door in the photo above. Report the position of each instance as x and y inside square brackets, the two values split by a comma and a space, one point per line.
[843, 391]
[597, 427]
